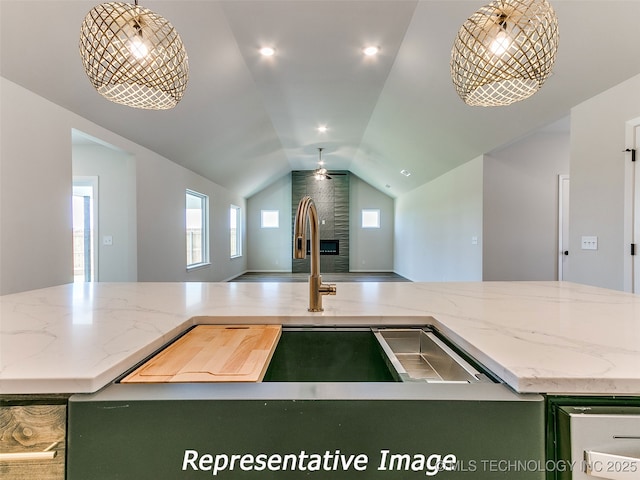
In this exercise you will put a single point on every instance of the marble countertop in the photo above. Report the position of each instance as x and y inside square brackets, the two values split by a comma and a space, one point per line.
[543, 337]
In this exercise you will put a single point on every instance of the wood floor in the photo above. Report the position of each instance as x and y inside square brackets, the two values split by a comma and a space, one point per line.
[326, 277]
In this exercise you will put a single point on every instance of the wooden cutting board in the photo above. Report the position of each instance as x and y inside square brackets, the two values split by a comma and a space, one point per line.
[213, 353]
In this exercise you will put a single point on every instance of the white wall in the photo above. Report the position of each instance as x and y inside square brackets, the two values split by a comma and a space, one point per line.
[370, 249]
[116, 209]
[35, 192]
[270, 249]
[435, 225]
[520, 213]
[161, 187]
[35, 200]
[597, 195]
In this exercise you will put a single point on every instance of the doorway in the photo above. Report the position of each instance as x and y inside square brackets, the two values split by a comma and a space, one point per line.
[84, 208]
[111, 255]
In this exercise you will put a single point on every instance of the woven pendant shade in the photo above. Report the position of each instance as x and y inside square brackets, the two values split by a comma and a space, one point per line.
[133, 56]
[504, 52]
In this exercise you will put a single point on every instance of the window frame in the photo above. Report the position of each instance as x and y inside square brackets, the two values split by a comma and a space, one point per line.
[204, 218]
[238, 232]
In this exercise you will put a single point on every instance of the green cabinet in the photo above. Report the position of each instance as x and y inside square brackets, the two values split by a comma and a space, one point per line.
[295, 431]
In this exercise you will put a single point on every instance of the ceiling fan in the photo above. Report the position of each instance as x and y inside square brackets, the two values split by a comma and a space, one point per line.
[322, 173]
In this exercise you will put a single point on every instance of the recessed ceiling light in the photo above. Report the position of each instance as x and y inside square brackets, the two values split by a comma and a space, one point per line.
[267, 51]
[370, 51]
[322, 128]
[406, 173]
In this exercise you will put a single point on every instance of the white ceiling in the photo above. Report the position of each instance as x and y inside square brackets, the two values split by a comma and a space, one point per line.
[246, 120]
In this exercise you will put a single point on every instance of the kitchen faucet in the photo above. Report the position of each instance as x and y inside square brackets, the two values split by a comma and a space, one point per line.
[307, 211]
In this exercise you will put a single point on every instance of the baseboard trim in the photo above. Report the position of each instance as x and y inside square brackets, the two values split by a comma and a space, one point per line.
[268, 271]
[373, 271]
[234, 276]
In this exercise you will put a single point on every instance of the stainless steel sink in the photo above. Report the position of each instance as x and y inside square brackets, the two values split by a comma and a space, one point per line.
[418, 355]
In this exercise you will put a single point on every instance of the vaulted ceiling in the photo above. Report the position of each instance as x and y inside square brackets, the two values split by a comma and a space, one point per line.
[246, 120]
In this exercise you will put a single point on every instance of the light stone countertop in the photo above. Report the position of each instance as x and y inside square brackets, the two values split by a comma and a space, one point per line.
[543, 337]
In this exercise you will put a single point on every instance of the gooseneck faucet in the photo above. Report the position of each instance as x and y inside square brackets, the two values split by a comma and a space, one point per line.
[307, 212]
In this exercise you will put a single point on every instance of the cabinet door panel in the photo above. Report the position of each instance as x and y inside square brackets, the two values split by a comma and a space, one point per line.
[32, 442]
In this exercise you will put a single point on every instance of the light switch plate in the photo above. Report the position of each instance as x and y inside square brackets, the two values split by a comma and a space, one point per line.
[590, 243]
[107, 240]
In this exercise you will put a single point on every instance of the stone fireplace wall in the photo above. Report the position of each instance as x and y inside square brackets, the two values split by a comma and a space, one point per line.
[332, 202]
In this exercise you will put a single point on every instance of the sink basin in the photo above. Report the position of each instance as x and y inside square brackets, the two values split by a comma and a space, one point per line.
[321, 354]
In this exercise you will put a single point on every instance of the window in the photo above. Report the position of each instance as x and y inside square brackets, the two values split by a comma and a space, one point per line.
[197, 228]
[235, 231]
[270, 219]
[370, 218]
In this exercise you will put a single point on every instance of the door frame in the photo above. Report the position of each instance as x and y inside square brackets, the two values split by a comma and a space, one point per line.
[631, 233]
[562, 218]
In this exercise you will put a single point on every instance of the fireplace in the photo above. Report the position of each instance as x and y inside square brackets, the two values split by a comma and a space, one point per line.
[327, 247]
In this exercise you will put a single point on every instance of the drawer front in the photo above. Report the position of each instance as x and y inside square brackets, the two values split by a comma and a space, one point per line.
[32, 442]
[604, 443]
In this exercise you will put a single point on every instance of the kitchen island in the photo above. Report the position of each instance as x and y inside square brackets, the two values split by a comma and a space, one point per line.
[538, 337]
[550, 338]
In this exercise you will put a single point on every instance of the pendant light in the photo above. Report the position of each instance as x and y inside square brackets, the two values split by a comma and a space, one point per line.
[133, 56]
[504, 52]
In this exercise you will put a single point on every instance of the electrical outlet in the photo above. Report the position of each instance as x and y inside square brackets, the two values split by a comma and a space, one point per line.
[107, 240]
[589, 243]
